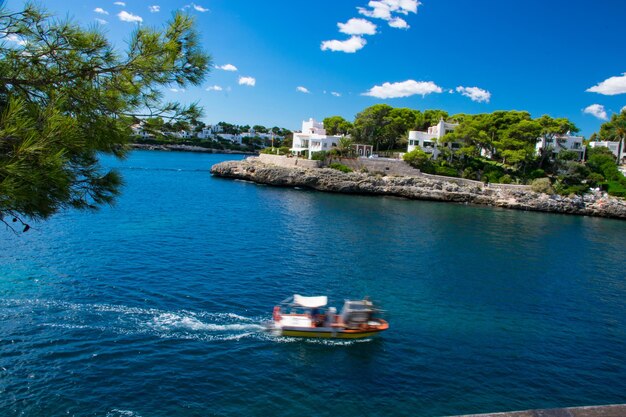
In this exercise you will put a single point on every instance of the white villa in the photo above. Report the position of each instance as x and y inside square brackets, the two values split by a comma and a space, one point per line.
[427, 141]
[313, 138]
[139, 131]
[616, 147]
[183, 134]
[560, 143]
[209, 132]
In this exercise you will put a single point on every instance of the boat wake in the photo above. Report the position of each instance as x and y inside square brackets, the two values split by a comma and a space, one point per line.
[125, 320]
[139, 321]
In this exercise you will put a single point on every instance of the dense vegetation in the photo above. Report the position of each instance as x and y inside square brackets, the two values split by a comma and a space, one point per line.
[164, 132]
[492, 147]
[67, 95]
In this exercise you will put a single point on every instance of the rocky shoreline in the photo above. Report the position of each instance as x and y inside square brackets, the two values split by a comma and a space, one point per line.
[420, 187]
[185, 148]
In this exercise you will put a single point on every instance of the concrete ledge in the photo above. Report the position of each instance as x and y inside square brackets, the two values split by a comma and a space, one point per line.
[617, 410]
[283, 161]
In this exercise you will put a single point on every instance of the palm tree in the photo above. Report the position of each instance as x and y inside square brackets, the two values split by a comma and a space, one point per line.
[345, 146]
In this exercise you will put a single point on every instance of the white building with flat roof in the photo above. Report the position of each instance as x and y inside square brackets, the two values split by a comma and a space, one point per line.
[561, 143]
[313, 138]
[427, 141]
[616, 147]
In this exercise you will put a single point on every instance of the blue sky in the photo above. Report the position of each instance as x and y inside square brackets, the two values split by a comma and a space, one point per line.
[458, 55]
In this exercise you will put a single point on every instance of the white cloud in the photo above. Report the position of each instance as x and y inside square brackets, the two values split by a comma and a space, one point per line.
[15, 39]
[101, 21]
[623, 109]
[348, 46]
[336, 94]
[383, 9]
[475, 94]
[177, 90]
[302, 89]
[100, 10]
[154, 9]
[357, 27]
[227, 67]
[120, 3]
[379, 11]
[399, 23]
[402, 6]
[610, 86]
[214, 88]
[596, 110]
[199, 8]
[129, 17]
[403, 89]
[247, 81]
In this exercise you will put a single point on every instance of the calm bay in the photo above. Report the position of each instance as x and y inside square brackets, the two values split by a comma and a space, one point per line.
[154, 307]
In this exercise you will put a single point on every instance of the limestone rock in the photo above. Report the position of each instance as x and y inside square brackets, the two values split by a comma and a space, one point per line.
[420, 188]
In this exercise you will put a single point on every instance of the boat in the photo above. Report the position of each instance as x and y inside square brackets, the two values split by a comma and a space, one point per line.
[300, 316]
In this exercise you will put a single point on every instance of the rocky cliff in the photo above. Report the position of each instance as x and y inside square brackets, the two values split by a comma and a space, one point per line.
[420, 188]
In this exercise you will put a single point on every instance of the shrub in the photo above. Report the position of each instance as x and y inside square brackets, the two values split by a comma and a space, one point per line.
[339, 167]
[537, 173]
[469, 173]
[333, 153]
[542, 185]
[594, 178]
[571, 190]
[490, 176]
[271, 151]
[616, 189]
[417, 158]
[446, 171]
[318, 156]
[505, 179]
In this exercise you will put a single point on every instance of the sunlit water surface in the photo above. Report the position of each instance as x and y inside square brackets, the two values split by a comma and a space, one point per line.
[153, 308]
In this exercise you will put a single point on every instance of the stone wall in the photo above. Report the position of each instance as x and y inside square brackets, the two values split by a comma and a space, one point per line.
[474, 183]
[283, 161]
[381, 165]
[386, 166]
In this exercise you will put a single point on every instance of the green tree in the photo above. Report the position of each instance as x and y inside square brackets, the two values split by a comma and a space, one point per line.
[67, 95]
[615, 129]
[419, 159]
[228, 128]
[345, 146]
[398, 122]
[369, 124]
[431, 118]
[337, 125]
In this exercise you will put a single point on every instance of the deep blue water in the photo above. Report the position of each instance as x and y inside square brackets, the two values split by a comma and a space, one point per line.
[152, 308]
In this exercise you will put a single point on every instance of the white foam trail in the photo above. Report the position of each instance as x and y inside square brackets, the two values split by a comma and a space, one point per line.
[74, 326]
[122, 413]
[166, 321]
[121, 319]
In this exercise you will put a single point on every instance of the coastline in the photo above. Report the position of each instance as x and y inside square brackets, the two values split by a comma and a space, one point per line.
[185, 148]
[420, 187]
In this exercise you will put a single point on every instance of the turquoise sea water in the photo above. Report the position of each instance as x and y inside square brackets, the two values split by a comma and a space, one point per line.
[153, 307]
